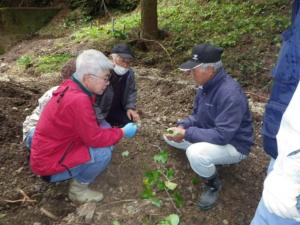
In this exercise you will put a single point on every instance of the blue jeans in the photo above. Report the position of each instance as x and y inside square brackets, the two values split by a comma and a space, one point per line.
[28, 138]
[87, 172]
[264, 217]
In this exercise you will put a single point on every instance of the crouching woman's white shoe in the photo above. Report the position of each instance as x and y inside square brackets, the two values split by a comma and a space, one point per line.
[80, 193]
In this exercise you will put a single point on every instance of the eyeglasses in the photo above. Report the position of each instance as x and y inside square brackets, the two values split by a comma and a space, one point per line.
[106, 78]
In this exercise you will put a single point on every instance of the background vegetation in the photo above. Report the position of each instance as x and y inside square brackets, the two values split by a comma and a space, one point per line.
[249, 31]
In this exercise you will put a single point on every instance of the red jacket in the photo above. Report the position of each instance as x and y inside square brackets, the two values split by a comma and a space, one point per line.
[66, 129]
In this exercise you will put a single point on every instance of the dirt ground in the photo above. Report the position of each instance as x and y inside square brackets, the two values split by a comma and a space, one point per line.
[162, 99]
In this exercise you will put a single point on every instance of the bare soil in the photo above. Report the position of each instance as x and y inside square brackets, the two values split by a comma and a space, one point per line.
[162, 99]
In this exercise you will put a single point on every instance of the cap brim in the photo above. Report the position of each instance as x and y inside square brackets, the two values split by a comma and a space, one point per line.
[188, 65]
[125, 56]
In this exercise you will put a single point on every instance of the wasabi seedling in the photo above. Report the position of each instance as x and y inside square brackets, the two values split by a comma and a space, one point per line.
[171, 132]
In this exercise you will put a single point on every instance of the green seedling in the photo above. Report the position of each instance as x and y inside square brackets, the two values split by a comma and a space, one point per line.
[125, 154]
[159, 181]
[116, 222]
[171, 132]
[172, 219]
[161, 157]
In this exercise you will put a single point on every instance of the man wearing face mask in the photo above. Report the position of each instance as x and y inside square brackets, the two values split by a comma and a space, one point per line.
[118, 103]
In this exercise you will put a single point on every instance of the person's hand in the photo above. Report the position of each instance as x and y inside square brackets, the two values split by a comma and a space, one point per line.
[130, 130]
[133, 115]
[175, 134]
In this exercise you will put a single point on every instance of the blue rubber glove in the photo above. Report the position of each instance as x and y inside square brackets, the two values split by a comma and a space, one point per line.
[130, 130]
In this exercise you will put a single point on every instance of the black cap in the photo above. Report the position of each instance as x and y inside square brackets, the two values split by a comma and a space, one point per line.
[123, 50]
[204, 53]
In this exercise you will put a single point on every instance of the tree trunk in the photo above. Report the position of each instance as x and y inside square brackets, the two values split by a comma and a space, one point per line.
[149, 19]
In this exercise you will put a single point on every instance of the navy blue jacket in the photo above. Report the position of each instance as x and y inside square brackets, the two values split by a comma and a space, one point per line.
[286, 75]
[220, 115]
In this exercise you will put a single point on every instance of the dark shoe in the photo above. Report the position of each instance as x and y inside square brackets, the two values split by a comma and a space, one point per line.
[210, 196]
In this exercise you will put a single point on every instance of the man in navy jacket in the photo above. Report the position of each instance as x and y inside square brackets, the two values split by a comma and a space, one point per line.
[219, 131]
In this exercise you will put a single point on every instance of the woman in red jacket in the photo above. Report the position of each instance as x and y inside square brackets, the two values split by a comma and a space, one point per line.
[68, 142]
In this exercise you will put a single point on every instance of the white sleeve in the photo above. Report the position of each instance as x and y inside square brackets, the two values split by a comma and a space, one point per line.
[282, 185]
[32, 119]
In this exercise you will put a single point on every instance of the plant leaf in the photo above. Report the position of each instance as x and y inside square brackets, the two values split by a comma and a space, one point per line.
[116, 222]
[125, 154]
[172, 219]
[147, 193]
[153, 177]
[162, 157]
[170, 185]
[170, 173]
[178, 199]
[155, 201]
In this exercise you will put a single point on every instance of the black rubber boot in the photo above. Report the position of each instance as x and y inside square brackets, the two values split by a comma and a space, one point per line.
[210, 196]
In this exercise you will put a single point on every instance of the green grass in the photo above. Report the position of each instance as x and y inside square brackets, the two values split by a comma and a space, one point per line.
[24, 61]
[51, 63]
[249, 31]
[222, 24]
[119, 29]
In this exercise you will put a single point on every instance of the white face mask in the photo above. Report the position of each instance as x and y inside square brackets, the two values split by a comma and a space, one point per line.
[120, 70]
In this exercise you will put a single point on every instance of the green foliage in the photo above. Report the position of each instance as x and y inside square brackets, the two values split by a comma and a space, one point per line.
[25, 61]
[50, 63]
[177, 197]
[126, 5]
[91, 32]
[125, 154]
[249, 31]
[24, 21]
[115, 222]
[223, 24]
[162, 157]
[172, 219]
[195, 180]
[75, 19]
[159, 180]
[118, 29]
[89, 7]
[95, 7]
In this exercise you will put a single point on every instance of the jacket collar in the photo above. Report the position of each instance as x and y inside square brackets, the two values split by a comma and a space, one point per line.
[82, 87]
[219, 76]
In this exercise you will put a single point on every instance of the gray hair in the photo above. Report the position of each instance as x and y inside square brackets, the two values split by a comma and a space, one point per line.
[91, 62]
[216, 66]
